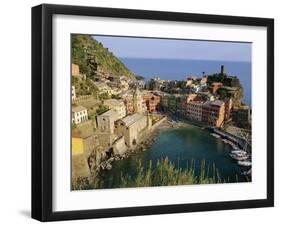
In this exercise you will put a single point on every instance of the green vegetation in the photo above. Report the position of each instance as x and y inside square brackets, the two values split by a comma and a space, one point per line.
[232, 87]
[139, 77]
[236, 93]
[93, 58]
[101, 109]
[84, 86]
[73, 126]
[231, 81]
[164, 174]
[104, 96]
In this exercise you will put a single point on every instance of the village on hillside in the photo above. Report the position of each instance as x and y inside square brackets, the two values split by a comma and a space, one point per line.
[119, 115]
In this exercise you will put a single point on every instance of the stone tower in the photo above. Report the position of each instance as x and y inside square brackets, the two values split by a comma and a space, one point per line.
[222, 70]
[137, 99]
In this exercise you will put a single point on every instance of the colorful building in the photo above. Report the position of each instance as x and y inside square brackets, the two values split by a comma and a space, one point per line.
[152, 102]
[79, 114]
[83, 144]
[134, 102]
[129, 104]
[118, 105]
[228, 108]
[213, 113]
[194, 110]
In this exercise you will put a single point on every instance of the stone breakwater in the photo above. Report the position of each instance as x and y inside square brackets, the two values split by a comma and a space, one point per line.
[145, 144]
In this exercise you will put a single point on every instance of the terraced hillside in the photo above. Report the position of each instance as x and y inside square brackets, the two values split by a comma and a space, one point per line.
[95, 59]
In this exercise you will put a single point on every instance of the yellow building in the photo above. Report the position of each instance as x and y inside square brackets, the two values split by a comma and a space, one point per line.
[77, 146]
[80, 168]
[83, 145]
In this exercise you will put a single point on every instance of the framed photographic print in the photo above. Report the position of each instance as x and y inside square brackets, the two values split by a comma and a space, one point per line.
[146, 112]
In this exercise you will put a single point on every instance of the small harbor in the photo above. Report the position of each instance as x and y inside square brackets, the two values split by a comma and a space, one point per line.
[184, 145]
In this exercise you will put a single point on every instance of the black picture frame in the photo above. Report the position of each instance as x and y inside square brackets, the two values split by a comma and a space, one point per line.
[42, 111]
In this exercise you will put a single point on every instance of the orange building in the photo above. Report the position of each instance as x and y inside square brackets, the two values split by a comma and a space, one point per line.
[129, 103]
[152, 102]
[193, 107]
[194, 110]
[228, 108]
[213, 113]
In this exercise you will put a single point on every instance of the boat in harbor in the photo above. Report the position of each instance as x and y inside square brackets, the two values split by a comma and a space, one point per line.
[244, 163]
[234, 146]
[238, 157]
[215, 135]
[239, 152]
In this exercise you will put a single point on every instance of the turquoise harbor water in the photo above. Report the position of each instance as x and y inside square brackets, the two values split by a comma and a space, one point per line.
[181, 146]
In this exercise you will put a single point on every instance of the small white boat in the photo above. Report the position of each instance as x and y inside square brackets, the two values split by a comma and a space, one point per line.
[244, 163]
[239, 152]
[225, 141]
[215, 135]
[235, 147]
[238, 157]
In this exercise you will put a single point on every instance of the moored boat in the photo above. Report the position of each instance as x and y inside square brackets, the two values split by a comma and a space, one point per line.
[215, 135]
[239, 152]
[244, 163]
[235, 147]
[225, 141]
[238, 157]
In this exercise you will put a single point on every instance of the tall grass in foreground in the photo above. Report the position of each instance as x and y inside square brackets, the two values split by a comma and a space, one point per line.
[165, 173]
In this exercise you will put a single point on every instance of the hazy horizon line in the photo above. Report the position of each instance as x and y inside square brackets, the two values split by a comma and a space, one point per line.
[164, 58]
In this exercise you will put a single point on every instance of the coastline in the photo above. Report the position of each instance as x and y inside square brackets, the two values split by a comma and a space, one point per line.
[146, 143]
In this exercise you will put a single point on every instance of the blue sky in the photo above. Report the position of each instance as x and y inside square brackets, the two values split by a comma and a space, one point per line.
[126, 47]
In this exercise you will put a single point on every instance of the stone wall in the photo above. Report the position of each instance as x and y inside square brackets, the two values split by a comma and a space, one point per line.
[79, 167]
[119, 146]
[77, 100]
[155, 125]
[105, 139]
